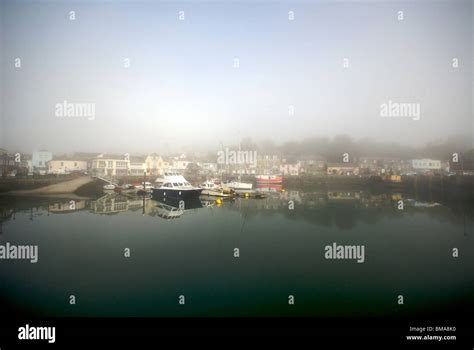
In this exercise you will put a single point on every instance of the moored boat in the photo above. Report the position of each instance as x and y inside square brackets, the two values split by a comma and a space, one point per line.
[210, 188]
[269, 179]
[174, 185]
[237, 185]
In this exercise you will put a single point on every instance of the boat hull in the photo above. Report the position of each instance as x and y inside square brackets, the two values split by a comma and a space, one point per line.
[269, 179]
[237, 186]
[176, 193]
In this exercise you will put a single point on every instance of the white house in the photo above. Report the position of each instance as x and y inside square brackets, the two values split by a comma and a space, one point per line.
[137, 166]
[40, 160]
[110, 165]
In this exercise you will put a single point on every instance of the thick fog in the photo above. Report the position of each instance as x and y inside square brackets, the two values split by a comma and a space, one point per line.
[168, 76]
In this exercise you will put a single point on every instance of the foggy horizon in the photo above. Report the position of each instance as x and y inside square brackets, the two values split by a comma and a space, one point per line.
[162, 80]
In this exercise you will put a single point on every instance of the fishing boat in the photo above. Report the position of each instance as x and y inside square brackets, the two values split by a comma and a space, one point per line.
[269, 179]
[210, 188]
[237, 185]
[176, 186]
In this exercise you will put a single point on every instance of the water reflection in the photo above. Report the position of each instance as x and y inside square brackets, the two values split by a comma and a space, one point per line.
[114, 203]
[171, 208]
[188, 246]
[67, 207]
[339, 207]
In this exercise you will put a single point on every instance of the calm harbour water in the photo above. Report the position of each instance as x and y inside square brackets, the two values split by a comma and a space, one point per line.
[81, 252]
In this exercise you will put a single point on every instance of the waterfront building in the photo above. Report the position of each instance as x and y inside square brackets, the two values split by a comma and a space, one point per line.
[40, 161]
[380, 165]
[314, 165]
[342, 169]
[8, 166]
[118, 165]
[137, 166]
[66, 166]
[110, 165]
[243, 169]
[85, 156]
[155, 165]
[268, 164]
[426, 165]
[292, 169]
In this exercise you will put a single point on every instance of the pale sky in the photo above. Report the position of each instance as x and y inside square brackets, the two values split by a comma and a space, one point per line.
[182, 89]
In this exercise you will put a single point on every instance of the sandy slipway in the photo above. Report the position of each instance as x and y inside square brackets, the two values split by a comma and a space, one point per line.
[60, 188]
[19, 252]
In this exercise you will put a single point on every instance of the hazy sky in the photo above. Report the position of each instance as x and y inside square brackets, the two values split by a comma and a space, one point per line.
[182, 89]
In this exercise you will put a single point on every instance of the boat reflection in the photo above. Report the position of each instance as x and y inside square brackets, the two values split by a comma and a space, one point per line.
[269, 188]
[172, 208]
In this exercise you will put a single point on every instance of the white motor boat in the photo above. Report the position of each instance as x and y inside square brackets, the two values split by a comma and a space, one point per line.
[175, 185]
[237, 185]
[209, 188]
